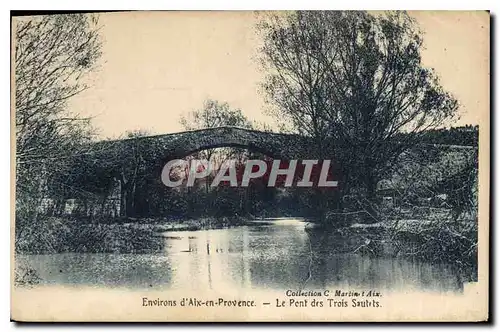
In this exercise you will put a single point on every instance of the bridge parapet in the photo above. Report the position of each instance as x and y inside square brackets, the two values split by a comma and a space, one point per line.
[276, 145]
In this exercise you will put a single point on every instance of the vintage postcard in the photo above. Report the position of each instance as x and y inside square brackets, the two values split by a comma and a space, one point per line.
[239, 166]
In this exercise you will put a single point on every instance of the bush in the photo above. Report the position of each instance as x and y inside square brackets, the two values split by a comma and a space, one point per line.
[55, 235]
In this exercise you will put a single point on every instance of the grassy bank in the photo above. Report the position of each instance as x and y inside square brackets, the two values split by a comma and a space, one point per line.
[124, 235]
[433, 237]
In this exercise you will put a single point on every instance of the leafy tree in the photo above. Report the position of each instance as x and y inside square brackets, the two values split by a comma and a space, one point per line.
[353, 81]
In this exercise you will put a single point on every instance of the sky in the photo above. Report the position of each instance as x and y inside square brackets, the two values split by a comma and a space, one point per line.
[158, 66]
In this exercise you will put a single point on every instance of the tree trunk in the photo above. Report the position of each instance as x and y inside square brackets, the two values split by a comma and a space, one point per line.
[371, 197]
[123, 199]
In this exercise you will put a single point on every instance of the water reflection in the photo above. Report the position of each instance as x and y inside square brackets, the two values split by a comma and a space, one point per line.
[280, 256]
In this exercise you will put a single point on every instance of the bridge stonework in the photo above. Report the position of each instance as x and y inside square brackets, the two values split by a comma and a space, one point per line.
[112, 167]
[275, 145]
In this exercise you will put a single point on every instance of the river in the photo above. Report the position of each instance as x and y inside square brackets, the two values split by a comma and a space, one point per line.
[280, 255]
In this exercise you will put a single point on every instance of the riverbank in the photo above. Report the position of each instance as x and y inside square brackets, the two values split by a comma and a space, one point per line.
[435, 237]
[121, 235]
[442, 244]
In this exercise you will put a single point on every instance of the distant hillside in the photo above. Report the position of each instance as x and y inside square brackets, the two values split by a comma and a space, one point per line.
[465, 135]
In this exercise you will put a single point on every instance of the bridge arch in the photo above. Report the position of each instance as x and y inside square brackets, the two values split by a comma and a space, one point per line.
[274, 145]
[138, 162]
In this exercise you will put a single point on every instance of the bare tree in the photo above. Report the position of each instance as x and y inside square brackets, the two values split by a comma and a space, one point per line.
[216, 114]
[52, 55]
[356, 80]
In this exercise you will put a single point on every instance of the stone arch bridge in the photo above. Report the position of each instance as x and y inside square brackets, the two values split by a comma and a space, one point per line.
[275, 145]
[116, 169]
